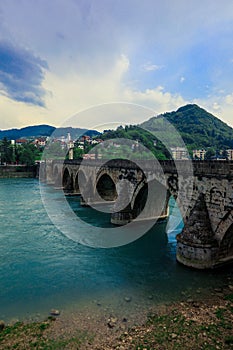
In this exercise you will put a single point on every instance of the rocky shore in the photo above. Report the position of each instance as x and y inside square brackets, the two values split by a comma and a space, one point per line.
[200, 323]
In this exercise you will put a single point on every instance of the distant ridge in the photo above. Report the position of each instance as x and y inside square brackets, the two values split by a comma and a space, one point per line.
[44, 131]
[197, 127]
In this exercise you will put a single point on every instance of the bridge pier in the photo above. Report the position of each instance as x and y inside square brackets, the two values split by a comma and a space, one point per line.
[196, 245]
[199, 256]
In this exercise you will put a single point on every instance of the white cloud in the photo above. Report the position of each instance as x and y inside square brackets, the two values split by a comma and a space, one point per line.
[74, 92]
[182, 79]
[158, 99]
[150, 67]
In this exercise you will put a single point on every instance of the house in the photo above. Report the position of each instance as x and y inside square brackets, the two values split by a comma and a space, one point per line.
[230, 154]
[40, 142]
[21, 141]
[179, 153]
[86, 138]
[199, 154]
[89, 156]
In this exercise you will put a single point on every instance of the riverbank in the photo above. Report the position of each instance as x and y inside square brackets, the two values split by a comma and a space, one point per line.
[18, 171]
[201, 323]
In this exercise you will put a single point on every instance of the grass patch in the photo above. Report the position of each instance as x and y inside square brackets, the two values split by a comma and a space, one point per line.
[229, 339]
[33, 336]
[174, 331]
[229, 297]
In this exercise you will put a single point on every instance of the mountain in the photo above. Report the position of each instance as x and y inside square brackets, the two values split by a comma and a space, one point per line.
[198, 128]
[45, 130]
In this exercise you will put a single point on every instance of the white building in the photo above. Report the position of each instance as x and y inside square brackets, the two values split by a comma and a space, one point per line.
[230, 154]
[179, 153]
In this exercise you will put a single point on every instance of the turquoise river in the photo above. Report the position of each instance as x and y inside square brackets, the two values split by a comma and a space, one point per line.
[40, 268]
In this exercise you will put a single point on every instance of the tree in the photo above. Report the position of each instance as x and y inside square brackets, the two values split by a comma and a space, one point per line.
[224, 154]
[7, 151]
[210, 153]
[78, 152]
[27, 155]
[54, 151]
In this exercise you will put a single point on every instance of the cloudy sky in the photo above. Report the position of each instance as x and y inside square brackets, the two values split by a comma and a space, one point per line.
[60, 57]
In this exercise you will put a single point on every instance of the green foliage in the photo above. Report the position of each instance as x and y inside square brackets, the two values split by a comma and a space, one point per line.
[78, 152]
[25, 154]
[229, 339]
[210, 153]
[7, 151]
[229, 297]
[54, 150]
[138, 135]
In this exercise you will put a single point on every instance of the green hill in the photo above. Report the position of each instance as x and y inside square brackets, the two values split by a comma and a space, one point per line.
[197, 127]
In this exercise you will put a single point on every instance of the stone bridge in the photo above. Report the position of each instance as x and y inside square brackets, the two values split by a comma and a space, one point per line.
[203, 191]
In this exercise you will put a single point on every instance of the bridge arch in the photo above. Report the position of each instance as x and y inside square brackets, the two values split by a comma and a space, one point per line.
[150, 194]
[67, 180]
[224, 226]
[80, 179]
[139, 198]
[106, 188]
[226, 245]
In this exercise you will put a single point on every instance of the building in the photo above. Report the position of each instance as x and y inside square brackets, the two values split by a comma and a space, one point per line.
[230, 154]
[40, 142]
[199, 154]
[21, 141]
[179, 153]
[70, 144]
[89, 156]
[86, 138]
[96, 141]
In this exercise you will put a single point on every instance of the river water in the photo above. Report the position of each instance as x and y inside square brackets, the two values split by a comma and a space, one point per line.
[40, 268]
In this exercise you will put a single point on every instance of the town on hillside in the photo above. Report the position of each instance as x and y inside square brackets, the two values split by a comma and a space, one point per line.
[28, 151]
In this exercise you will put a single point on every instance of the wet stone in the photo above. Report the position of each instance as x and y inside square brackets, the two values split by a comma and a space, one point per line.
[112, 322]
[2, 325]
[127, 299]
[54, 312]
